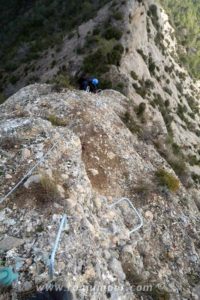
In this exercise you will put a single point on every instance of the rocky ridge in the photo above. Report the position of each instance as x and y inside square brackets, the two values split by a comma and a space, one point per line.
[96, 160]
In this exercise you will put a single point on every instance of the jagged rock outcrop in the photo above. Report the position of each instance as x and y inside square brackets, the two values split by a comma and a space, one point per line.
[96, 159]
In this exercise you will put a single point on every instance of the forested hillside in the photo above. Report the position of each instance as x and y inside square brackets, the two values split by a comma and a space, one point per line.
[185, 17]
[28, 27]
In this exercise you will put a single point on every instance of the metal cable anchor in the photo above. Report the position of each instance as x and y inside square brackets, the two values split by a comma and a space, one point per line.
[55, 247]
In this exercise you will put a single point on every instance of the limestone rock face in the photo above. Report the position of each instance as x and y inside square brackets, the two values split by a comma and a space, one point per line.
[83, 157]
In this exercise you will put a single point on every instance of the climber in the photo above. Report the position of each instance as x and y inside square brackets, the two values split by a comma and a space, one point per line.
[83, 82]
[88, 84]
[93, 84]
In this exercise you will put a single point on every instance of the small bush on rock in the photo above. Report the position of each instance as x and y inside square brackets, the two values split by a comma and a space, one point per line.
[45, 191]
[2, 98]
[141, 109]
[61, 81]
[56, 121]
[96, 62]
[131, 123]
[118, 15]
[145, 57]
[115, 55]
[134, 75]
[168, 180]
[113, 33]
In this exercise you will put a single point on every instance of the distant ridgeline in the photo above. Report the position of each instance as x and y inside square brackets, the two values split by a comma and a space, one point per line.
[29, 26]
[185, 18]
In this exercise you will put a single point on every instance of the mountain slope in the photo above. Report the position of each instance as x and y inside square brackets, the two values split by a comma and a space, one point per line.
[185, 18]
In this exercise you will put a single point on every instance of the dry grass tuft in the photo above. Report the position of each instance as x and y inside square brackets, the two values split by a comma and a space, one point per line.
[168, 180]
[46, 191]
[56, 121]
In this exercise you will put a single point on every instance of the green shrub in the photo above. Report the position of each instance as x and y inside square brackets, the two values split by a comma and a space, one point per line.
[119, 47]
[33, 79]
[174, 156]
[80, 50]
[96, 62]
[179, 166]
[159, 294]
[106, 84]
[131, 123]
[181, 110]
[193, 160]
[169, 69]
[114, 57]
[153, 10]
[119, 87]
[134, 75]
[149, 84]
[96, 31]
[113, 33]
[91, 41]
[196, 178]
[2, 98]
[99, 61]
[141, 109]
[61, 81]
[153, 13]
[192, 103]
[158, 100]
[118, 15]
[45, 191]
[179, 87]
[168, 180]
[56, 121]
[167, 90]
[145, 57]
[1, 171]
[159, 40]
[176, 148]
[167, 103]
[152, 66]
[71, 35]
[13, 79]
[53, 63]
[141, 90]
[144, 87]
[10, 67]
[167, 81]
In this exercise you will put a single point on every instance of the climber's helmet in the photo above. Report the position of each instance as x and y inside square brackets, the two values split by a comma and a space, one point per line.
[95, 81]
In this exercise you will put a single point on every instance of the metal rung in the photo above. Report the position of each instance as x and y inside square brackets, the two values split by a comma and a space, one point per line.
[135, 210]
